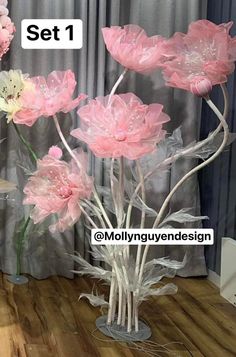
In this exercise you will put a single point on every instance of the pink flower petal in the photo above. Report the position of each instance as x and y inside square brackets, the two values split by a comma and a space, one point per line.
[57, 187]
[131, 47]
[48, 97]
[121, 125]
[206, 51]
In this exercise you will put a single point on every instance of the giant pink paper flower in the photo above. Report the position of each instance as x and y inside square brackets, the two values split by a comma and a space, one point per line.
[7, 28]
[201, 58]
[121, 125]
[57, 187]
[131, 47]
[58, 90]
[25, 99]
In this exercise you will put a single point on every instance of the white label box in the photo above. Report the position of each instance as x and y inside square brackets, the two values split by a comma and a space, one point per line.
[51, 34]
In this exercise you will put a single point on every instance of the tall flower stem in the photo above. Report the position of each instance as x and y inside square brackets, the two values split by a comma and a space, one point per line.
[179, 155]
[19, 245]
[199, 167]
[63, 139]
[111, 297]
[126, 293]
[116, 279]
[143, 194]
[123, 315]
[117, 83]
[119, 210]
[100, 205]
[22, 234]
[119, 216]
[88, 218]
[113, 193]
[139, 248]
[121, 189]
[188, 175]
[120, 291]
[113, 312]
[26, 143]
[95, 194]
[96, 211]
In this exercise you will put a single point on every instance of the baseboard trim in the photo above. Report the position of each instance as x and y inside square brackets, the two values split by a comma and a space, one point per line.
[214, 278]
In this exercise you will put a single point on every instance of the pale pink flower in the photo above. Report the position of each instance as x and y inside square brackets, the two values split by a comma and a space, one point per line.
[4, 2]
[121, 126]
[132, 48]
[25, 99]
[7, 28]
[57, 188]
[57, 91]
[207, 51]
[5, 41]
[3, 10]
[7, 24]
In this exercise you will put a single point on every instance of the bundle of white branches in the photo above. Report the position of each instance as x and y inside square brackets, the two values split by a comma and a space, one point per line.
[131, 279]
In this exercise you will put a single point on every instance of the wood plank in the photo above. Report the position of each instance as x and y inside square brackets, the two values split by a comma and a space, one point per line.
[203, 326]
[45, 318]
[33, 350]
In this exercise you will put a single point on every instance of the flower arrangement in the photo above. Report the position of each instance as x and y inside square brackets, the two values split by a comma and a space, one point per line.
[7, 30]
[127, 133]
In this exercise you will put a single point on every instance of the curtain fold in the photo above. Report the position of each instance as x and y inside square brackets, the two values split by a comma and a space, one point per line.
[218, 180]
[96, 72]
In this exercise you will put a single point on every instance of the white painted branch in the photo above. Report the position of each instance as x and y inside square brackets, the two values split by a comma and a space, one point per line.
[189, 174]
[180, 154]
[119, 80]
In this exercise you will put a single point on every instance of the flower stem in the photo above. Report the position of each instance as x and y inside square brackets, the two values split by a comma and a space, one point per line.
[88, 218]
[113, 189]
[100, 205]
[26, 144]
[111, 298]
[139, 248]
[96, 211]
[121, 189]
[22, 234]
[63, 139]
[141, 180]
[19, 245]
[179, 155]
[119, 80]
[185, 177]
[203, 164]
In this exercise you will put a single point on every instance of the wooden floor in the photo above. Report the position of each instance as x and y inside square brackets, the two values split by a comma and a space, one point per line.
[45, 319]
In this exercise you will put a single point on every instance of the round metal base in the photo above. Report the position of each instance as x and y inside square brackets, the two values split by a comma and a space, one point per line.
[17, 279]
[120, 333]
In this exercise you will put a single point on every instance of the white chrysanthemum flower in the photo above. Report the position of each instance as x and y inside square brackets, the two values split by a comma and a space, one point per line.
[12, 84]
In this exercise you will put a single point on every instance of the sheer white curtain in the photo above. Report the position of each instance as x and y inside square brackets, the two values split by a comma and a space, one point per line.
[96, 72]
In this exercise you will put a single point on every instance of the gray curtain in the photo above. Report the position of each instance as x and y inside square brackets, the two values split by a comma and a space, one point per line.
[218, 180]
[96, 72]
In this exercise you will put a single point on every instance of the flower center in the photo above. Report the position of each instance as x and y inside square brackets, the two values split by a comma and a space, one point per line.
[120, 135]
[12, 84]
[64, 191]
[200, 53]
